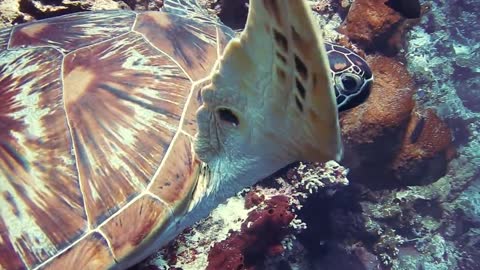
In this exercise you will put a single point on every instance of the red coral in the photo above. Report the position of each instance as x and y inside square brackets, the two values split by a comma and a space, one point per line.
[252, 199]
[261, 234]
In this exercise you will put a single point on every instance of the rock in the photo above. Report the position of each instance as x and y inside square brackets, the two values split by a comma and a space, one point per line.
[232, 13]
[376, 127]
[376, 27]
[425, 149]
[410, 147]
[10, 11]
[370, 20]
[469, 89]
[388, 106]
[142, 5]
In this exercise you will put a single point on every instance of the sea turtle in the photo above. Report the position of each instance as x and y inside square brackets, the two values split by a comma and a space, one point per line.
[120, 129]
[352, 77]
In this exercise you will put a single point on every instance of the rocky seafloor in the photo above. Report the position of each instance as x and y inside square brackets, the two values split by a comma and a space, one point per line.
[412, 152]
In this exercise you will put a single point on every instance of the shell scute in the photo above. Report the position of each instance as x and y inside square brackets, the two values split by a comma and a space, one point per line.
[341, 49]
[362, 66]
[191, 44]
[177, 176]
[38, 169]
[87, 118]
[124, 101]
[90, 253]
[135, 225]
[9, 259]
[328, 46]
[338, 61]
[73, 31]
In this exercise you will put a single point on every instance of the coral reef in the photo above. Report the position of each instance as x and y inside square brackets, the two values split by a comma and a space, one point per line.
[442, 53]
[412, 202]
[436, 57]
[254, 229]
[413, 153]
[260, 235]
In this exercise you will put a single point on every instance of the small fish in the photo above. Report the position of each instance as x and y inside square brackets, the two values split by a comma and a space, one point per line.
[410, 9]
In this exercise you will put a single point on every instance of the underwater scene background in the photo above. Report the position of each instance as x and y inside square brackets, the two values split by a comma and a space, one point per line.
[406, 195]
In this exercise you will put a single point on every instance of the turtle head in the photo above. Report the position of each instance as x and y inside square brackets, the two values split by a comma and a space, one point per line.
[351, 74]
[270, 100]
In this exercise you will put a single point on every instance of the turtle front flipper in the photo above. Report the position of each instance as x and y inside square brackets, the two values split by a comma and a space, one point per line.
[271, 96]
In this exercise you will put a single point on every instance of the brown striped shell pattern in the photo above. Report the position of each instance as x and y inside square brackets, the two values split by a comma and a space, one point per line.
[109, 130]
[90, 105]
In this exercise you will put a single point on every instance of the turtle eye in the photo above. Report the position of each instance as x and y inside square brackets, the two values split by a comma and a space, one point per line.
[228, 116]
[350, 83]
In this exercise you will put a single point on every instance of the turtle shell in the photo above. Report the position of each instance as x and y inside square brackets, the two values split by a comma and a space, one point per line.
[96, 128]
[352, 76]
